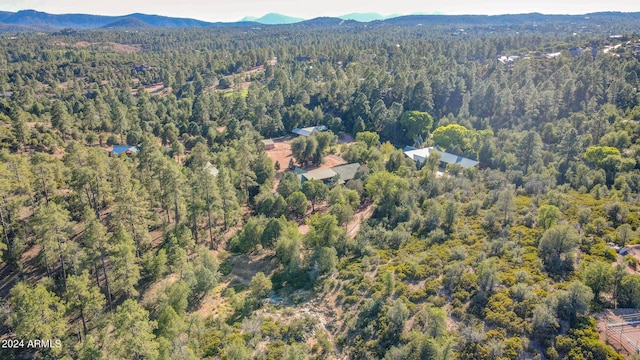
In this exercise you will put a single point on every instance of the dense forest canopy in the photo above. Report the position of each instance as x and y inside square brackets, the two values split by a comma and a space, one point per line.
[203, 246]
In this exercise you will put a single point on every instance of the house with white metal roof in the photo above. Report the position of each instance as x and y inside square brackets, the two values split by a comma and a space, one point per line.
[421, 155]
[308, 130]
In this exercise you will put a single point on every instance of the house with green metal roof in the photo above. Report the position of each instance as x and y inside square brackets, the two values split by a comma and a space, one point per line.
[346, 172]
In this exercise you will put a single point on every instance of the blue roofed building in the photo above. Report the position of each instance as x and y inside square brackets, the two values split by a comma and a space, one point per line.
[123, 149]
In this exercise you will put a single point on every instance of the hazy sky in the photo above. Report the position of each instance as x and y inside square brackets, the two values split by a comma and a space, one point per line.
[231, 10]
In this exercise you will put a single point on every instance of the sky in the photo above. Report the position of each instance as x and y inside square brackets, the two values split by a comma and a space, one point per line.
[233, 10]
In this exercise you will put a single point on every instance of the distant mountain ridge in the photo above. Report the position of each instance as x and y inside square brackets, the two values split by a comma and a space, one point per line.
[86, 21]
[26, 20]
[366, 17]
[127, 23]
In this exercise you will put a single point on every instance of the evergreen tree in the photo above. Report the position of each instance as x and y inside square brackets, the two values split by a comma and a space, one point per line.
[126, 270]
[36, 313]
[134, 332]
[82, 296]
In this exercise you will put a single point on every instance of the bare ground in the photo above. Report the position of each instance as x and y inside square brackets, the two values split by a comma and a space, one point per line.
[281, 153]
[631, 332]
[156, 89]
[244, 267]
[363, 214]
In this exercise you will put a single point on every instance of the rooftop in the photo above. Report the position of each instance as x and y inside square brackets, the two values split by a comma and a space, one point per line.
[307, 131]
[211, 169]
[124, 149]
[346, 172]
[320, 174]
[420, 155]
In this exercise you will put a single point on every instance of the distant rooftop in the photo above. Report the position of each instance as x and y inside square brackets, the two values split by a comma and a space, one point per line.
[211, 169]
[308, 130]
[420, 155]
[123, 149]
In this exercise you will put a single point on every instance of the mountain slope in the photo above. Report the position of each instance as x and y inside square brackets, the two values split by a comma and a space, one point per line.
[85, 21]
[26, 20]
[37, 18]
[508, 19]
[363, 17]
[327, 21]
[128, 23]
[164, 21]
[277, 19]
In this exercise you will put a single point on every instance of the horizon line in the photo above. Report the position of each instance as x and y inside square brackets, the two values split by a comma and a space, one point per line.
[389, 16]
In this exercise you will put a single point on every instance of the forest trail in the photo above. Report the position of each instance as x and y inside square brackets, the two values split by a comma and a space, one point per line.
[353, 227]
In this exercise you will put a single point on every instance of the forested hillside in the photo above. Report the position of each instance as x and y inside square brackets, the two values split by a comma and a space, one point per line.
[142, 216]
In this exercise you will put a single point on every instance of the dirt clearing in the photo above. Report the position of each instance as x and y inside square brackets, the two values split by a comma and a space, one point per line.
[281, 153]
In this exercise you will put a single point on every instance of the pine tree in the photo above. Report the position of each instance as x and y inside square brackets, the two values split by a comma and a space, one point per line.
[36, 313]
[230, 206]
[126, 270]
[82, 296]
[95, 239]
[52, 226]
[19, 128]
[134, 332]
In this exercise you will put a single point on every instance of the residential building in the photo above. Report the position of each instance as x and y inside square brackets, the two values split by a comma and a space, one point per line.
[123, 149]
[421, 155]
[268, 144]
[308, 130]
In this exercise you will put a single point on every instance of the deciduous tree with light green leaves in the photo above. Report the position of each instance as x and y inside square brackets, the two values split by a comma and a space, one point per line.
[557, 248]
[315, 190]
[548, 216]
[597, 154]
[599, 277]
[574, 301]
[416, 123]
[324, 231]
[389, 191]
[451, 135]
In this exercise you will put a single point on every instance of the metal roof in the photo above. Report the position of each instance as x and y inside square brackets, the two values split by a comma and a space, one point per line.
[211, 168]
[346, 172]
[121, 149]
[420, 155]
[307, 131]
[320, 174]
